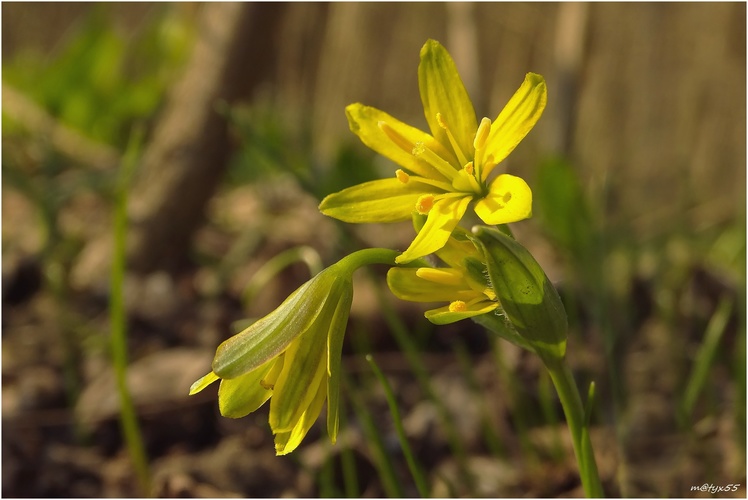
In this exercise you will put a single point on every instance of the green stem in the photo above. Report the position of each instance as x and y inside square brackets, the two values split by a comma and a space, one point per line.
[575, 418]
[369, 256]
[117, 315]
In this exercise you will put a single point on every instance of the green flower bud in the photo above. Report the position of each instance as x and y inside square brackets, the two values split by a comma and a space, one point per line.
[525, 293]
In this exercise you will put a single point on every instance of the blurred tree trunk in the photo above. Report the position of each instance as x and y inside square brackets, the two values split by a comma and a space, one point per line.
[189, 149]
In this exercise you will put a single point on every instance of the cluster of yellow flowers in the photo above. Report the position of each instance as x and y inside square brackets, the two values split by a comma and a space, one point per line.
[292, 355]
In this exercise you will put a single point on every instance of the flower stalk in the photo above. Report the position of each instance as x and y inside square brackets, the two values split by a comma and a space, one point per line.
[568, 393]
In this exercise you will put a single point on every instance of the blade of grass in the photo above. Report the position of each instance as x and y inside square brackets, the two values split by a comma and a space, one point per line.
[382, 461]
[272, 267]
[491, 436]
[400, 331]
[415, 469]
[705, 357]
[348, 463]
[518, 398]
[117, 315]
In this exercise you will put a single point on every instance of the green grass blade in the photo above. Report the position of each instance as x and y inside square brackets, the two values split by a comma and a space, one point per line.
[382, 462]
[117, 314]
[705, 357]
[415, 469]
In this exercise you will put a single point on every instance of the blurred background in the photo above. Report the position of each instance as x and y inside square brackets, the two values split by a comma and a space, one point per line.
[215, 129]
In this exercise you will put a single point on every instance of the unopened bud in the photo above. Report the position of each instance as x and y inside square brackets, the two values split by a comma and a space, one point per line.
[524, 291]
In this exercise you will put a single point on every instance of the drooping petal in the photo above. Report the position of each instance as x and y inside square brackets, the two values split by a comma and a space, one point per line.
[334, 354]
[304, 369]
[442, 91]
[442, 219]
[269, 336]
[514, 122]
[384, 200]
[288, 441]
[448, 314]
[202, 383]
[509, 200]
[405, 284]
[395, 141]
[240, 396]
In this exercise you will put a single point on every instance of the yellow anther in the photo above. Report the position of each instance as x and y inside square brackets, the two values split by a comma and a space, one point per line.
[425, 203]
[461, 156]
[469, 168]
[395, 137]
[457, 306]
[440, 120]
[402, 176]
[481, 136]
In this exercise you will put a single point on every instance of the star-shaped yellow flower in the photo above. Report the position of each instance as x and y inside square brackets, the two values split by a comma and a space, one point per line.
[442, 172]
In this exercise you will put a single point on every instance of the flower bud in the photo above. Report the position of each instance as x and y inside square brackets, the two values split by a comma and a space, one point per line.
[525, 293]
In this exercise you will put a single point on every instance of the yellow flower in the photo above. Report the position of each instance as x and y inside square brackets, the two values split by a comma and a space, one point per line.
[444, 171]
[291, 356]
[463, 283]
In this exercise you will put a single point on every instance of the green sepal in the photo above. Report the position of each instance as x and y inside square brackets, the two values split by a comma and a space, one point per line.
[526, 294]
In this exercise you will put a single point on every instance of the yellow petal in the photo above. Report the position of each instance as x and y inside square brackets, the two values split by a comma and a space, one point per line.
[442, 91]
[405, 284]
[448, 314]
[240, 396]
[514, 122]
[288, 441]
[509, 200]
[442, 219]
[304, 367]
[394, 140]
[385, 200]
[203, 382]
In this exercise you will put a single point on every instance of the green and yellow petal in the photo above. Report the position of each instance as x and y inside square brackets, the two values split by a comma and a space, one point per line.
[384, 200]
[408, 284]
[203, 382]
[305, 367]
[392, 138]
[288, 441]
[442, 219]
[509, 200]
[240, 396]
[334, 355]
[443, 92]
[514, 122]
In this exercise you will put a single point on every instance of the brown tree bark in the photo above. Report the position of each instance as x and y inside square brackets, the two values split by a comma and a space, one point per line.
[190, 147]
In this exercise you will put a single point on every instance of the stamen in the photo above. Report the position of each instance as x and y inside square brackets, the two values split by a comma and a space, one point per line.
[402, 176]
[444, 186]
[469, 168]
[420, 150]
[425, 203]
[395, 137]
[481, 136]
[457, 306]
[443, 124]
